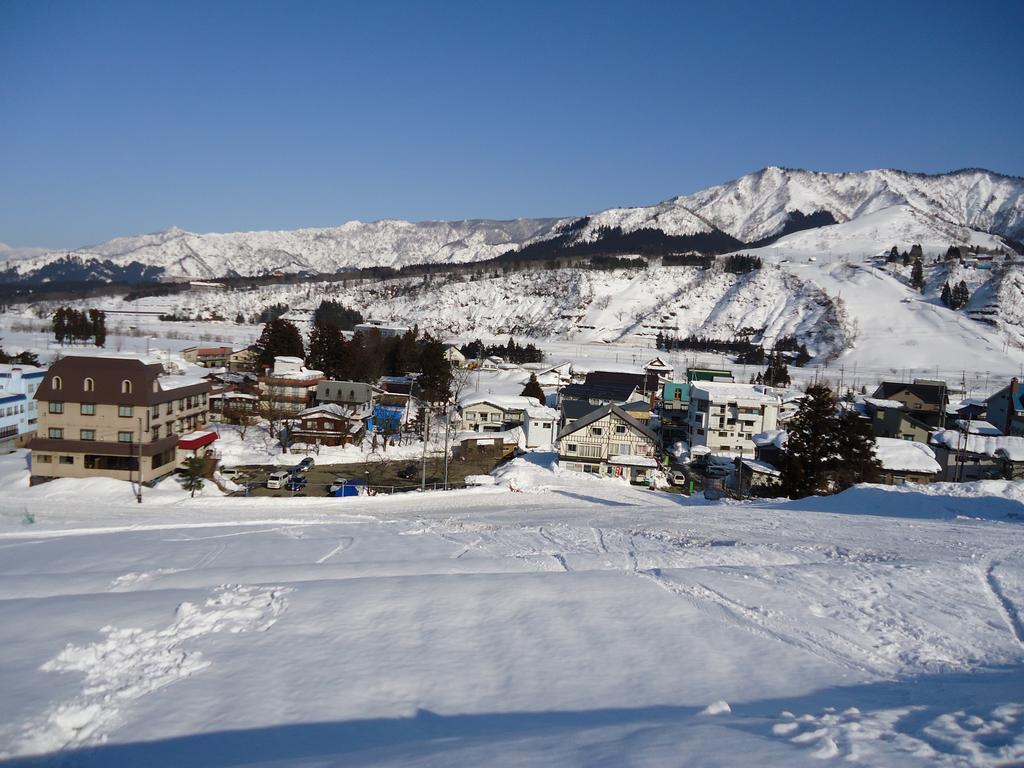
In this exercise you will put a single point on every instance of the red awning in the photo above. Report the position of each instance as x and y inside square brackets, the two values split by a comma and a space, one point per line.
[194, 440]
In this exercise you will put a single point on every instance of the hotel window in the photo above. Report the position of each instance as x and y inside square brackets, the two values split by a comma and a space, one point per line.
[57, 383]
[43, 458]
[56, 433]
[126, 387]
[125, 410]
[124, 437]
[87, 434]
[56, 407]
[620, 429]
[88, 409]
[570, 448]
[67, 459]
[89, 385]
[596, 431]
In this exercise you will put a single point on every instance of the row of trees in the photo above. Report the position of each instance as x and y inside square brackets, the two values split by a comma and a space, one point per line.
[511, 352]
[776, 374]
[364, 357]
[71, 324]
[955, 297]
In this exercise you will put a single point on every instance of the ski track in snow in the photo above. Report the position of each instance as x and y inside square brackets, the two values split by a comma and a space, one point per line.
[1007, 610]
[131, 663]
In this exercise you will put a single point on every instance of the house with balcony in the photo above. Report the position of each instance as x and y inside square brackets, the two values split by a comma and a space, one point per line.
[289, 387]
[723, 417]
[332, 424]
[923, 399]
[113, 417]
[494, 413]
[18, 413]
[610, 443]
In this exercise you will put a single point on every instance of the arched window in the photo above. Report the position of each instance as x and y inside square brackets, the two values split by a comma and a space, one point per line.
[57, 383]
[90, 385]
[126, 387]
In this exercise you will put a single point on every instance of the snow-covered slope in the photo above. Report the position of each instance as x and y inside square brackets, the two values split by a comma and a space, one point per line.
[952, 208]
[757, 206]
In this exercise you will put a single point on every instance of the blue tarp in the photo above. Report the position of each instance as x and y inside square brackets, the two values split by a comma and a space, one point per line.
[387, 418]
[351, 488]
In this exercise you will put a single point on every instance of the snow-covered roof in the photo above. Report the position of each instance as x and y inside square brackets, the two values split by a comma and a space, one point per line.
[541, 412]
[880, 403]
[771, 437]
[505, 402]
[761, 467]
[905, 456]
[720, 391]
[978, 427]
[1000, 446]
[178, 382]
[633, 461]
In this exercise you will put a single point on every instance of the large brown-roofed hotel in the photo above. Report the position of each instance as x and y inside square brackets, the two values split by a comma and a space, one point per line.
[113, 417]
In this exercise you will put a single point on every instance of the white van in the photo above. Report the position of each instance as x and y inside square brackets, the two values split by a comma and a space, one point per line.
[277, 479]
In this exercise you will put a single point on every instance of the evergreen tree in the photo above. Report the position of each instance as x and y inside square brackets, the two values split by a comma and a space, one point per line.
[98, 323]
[947, 295]
[917, 275]
[240, 319]
[195, 468]
[811, 445]
[325, 346]
[855, 443]
[777, 373]
[533, 389]
[435, 381]
[279, 338]
[60, 324]
[961, 295]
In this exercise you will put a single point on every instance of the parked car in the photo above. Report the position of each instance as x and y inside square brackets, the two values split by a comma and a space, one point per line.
[678, 477]
[230, 473]
[409, 472]
[276, 480]
[303, 466]
[336, 484]
[295, 483]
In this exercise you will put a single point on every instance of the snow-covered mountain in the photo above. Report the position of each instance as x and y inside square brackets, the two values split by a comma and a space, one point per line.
[844, 213]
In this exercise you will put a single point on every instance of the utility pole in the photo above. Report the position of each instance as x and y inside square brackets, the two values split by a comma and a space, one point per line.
[426, 437]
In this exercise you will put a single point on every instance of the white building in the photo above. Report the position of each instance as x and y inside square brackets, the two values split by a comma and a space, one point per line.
[540, 425]
[18, 415]
[723, 416]
[454, 356]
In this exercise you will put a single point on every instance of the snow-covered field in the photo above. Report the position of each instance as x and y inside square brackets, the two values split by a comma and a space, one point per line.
[579, 622]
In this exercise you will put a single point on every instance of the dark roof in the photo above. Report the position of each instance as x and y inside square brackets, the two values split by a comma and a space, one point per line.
[605, 385]
[577, 409]
[598, 414]
[930, 393]
[107, 374]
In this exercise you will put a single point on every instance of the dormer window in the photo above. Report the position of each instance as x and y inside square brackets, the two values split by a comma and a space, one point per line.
[56, 383]
[126, 387]
[89, 385]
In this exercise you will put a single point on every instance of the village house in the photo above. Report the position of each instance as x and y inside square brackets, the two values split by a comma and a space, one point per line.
[656, 373]
[331, 424]
[724, 417]
[494, 413]
[208, 357]
[289, 387]
[608, 442]
[905, 461]
[890, 419]
[1005, 408]
[113, 417]
[350, 393]
[675, 405]
[454, 356]
[924, 399]
[18, 412]
[379, 326]
[486, 446]
[965, 457]
[243, 361]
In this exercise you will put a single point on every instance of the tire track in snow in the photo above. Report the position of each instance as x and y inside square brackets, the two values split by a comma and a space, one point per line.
[1007, 610]
[345, 543]
[760, 624]
[131, 663]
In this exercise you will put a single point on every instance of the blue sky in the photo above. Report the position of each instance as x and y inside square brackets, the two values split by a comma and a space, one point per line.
[122, 118]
